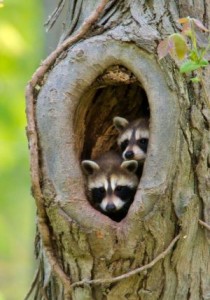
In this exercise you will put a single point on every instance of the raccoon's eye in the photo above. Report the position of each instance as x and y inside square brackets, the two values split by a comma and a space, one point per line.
[124, 145]
[98, 194]
[143, 143]
[118, 188]
[101, 190]
[124, 192]
[121, 188]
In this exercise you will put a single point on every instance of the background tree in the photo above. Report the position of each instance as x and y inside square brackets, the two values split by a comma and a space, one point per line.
[105, 65]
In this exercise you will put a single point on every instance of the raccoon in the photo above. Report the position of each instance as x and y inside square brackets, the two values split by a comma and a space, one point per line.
[111, 184]
[133, 138]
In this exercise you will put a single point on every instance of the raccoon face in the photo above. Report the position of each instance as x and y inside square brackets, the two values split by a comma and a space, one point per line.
[111, 193]
[133, 138]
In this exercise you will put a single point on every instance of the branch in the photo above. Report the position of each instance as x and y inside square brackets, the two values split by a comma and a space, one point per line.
[54, 16]
[33, 142]
[33, 284]
[131, 273]
[204, 224]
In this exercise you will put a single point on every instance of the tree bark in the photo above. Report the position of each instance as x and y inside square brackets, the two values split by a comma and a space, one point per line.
[111, 72]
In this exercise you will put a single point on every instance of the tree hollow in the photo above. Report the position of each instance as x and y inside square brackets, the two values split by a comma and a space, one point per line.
[74, 119]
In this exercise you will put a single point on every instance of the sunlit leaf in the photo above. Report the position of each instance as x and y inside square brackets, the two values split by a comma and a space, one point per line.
[200, 25]
[184, 20]
[186, 29]
[189, 65]
[180, 48]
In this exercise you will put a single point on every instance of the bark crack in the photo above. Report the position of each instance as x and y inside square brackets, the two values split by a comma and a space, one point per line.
[131, 273]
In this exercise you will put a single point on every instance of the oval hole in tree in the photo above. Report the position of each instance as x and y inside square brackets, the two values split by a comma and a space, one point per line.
[117, 92]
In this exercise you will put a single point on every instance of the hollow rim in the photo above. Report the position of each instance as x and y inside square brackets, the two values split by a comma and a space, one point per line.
[60, 97]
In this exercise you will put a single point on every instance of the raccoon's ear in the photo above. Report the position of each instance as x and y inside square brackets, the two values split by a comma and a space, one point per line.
[120, 123]
[130, 165]
[89, 167]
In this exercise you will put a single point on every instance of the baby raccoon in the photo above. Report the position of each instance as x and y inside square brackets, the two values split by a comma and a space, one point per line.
[133, 138]
[111, 184]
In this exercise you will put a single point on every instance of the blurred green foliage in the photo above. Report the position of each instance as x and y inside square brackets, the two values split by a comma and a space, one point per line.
[21, 48]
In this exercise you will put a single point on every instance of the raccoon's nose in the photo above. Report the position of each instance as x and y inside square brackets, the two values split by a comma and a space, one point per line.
[110, 207]
[129, 154]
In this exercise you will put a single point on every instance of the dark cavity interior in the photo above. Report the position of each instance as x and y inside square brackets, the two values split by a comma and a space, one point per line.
[116, 92]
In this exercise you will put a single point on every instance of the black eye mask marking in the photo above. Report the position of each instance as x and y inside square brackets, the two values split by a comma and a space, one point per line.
[124, 145]
[98, 194]
[125, 193]
[143, 143]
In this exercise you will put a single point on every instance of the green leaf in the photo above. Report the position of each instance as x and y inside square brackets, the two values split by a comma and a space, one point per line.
[204, 62]
[180, 48]
[195, 79]
[189, 65]
[193, 55]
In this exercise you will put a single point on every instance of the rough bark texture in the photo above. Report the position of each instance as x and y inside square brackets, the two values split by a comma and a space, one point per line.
[74, 113]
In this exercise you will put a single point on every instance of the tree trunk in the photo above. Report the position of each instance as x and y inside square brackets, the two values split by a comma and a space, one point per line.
[112, 71]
